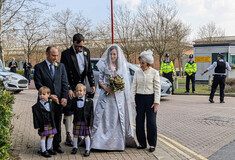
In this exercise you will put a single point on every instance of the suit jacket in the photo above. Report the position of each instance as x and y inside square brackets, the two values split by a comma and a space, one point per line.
[38, 120]
[88, 111]
[27, 69]
[69, 59]
[58, 85]
[13, 69]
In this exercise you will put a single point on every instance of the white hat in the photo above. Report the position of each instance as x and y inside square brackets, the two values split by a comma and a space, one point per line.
[147, 56]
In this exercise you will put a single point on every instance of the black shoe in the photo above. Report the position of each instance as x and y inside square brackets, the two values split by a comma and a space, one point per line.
[45, 154]
[151, 149]
[69, 141]
[141, 147]
[74, 151]
[51, 151]
[211, 100]
[59, 149]
[87, 153]
[186, 92]
[222, 102]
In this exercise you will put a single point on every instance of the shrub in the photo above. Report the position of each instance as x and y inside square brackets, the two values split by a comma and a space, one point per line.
[229, 85]
[6, 101]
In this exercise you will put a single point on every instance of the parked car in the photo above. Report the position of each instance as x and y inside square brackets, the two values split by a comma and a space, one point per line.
[166, 85]
[13, 81]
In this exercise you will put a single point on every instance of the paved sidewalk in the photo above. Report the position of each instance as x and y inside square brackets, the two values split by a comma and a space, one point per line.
[26, 140]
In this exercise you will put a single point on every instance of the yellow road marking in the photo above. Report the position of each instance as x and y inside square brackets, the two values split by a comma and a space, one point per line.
[183, 147]
[173, 147]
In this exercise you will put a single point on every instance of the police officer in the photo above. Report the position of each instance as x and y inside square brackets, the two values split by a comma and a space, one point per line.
[219, 77]
[167, 70]
[190, 70]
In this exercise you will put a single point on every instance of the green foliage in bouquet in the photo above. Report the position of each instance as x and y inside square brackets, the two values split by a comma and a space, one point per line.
[116, 83]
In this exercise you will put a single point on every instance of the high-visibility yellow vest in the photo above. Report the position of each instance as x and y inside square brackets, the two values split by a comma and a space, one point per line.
[167, 67]
[190, 68]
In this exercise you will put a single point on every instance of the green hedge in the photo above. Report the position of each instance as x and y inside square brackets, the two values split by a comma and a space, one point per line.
[6, 101]
[21, 72]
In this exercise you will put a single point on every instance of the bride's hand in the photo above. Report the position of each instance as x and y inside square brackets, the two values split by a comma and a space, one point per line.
[109, 90]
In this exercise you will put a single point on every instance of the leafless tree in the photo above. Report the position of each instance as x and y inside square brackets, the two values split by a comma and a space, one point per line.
[125, 30]
[180, 43]
[210, 32]
[67, 24]
[156, 26]
[11, 12]
[34, 31]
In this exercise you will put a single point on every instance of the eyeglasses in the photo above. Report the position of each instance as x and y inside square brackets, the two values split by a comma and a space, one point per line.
[77, 47]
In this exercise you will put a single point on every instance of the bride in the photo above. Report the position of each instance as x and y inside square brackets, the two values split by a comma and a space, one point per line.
[113, 119]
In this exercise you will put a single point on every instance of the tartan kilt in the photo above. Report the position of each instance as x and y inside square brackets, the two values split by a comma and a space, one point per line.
[47, 130]
[81, 129]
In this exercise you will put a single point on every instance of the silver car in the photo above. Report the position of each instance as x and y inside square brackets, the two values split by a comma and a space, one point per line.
[13, 81]
[166, 85]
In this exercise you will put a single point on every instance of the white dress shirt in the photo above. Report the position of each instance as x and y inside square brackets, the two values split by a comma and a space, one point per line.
[80, 104]
[80, 59]
[46, 106]
[147, 82]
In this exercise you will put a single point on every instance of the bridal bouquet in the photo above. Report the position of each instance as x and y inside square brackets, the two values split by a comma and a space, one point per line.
[115, 83]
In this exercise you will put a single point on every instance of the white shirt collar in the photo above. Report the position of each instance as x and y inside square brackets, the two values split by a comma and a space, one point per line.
[46, 106]
[80, 104]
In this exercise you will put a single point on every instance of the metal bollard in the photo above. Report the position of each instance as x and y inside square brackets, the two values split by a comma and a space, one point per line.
[209, 81]
[176, 83]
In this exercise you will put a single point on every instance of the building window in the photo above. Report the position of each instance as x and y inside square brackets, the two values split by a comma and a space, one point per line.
[215, 55]
[232, 59]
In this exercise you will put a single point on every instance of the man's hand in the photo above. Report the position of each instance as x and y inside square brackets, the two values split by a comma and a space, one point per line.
[71, 94]
[55, 99]
[155, 106]
[93, 90]
[63, 102]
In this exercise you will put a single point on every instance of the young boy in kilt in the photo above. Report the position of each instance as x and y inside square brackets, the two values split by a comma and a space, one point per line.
[83, 118]
[43, 120]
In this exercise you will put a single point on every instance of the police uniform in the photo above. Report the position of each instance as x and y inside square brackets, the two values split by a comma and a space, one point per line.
[167, 69]
[219, 77]
[190, 70]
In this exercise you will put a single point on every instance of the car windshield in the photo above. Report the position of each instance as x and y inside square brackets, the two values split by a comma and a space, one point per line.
[3, 70]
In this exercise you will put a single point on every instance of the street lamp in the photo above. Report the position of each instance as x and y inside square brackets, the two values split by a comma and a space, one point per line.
[112, 20]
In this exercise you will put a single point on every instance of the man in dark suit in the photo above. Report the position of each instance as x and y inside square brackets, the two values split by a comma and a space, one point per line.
[13, 65]
[27, 70]
[52, 74]
[76, 60]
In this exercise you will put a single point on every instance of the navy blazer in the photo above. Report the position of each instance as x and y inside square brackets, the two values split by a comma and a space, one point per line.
[69, 59]
[58, 85]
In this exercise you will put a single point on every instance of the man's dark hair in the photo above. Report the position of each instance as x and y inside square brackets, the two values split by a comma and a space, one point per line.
[78, 38]
[49, 49]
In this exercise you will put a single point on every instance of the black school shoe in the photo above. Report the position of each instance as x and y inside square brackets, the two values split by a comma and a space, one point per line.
[211, 100]
[87, 153]
[74, 151]
[51, 151]
[45, 154]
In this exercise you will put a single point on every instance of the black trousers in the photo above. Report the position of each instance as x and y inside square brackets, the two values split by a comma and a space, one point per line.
[58, 118]
[218, 80]
[169, 76]
[143, 107]
[188, 78]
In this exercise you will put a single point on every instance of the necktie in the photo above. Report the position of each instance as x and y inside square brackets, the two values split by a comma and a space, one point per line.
[79, 99]
[46, 102]
[51, 71]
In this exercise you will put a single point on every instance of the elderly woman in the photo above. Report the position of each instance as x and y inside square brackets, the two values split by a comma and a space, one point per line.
[147, 90]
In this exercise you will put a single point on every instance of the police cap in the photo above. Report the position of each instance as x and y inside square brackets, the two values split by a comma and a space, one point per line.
[190, 56]
[167, 55]
[220, 55]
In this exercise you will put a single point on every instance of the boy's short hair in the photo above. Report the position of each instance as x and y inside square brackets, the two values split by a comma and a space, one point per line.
[44, 89]
[80, 85]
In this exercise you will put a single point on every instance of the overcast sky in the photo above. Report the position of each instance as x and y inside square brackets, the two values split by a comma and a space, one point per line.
[192, 12]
